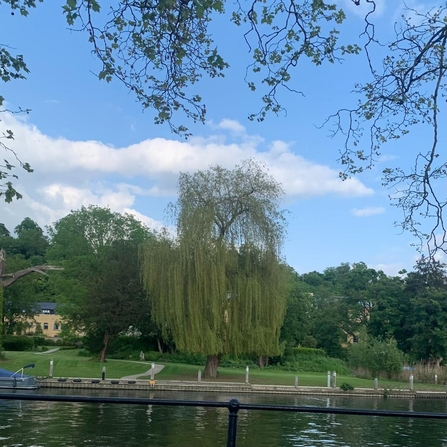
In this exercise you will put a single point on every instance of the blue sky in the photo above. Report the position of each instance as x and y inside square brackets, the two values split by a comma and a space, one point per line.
[90, 143]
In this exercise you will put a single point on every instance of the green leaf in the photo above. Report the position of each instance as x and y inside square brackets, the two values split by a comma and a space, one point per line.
[95, 5]
[72, 4]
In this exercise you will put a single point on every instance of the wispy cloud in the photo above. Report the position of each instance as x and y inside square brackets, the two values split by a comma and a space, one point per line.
[232, 125]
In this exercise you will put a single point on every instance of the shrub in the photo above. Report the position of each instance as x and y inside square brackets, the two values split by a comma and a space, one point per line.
[311, 360]
[153, 355]
[242, 362]
[346, 387]
[309, 342]
[126, 343]
[379, 357]
[308, 351]
[39, 341]
[317, 364]
[17, 343]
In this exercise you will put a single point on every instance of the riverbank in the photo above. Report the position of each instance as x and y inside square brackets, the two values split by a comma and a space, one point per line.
[228, 387]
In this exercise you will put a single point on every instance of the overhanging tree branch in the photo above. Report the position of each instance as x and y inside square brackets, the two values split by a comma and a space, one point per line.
[6, 279]
[404, 92]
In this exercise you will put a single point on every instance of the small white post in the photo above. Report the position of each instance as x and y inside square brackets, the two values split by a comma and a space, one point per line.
[411, 382]
[199, 376]
[51, 368]
[247, 374]
[334, 375]
[376, 384]
[296, 381]
[103, 373]
[152, 371]
[328, 379]
[436, 379]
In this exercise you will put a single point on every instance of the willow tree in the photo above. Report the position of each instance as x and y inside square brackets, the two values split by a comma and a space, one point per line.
[219, 287]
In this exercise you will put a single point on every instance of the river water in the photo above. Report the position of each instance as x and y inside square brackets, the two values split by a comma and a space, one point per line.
[51, 424]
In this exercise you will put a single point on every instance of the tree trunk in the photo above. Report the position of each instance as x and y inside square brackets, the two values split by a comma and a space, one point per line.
[212, 363]
[160, 346]
[263, 361]
[106, 341]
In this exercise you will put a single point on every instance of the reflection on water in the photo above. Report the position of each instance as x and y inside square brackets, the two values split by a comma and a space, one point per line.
[48, 424]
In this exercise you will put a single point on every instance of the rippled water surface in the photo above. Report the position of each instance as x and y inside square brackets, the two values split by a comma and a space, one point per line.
[45, 424]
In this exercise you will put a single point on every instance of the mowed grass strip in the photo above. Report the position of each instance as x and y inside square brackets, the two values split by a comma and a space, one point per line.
[175, 371]
[68, 363]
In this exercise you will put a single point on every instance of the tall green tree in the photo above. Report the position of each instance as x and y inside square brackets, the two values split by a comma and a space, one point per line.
[100, 291]
[298, 318]
[115, 299]
[219, 287]
[390, 309]
[426, 289]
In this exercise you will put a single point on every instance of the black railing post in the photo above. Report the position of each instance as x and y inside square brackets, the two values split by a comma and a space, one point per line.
[233, 407]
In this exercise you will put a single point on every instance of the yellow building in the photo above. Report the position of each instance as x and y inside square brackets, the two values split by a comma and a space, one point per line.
[48, 320]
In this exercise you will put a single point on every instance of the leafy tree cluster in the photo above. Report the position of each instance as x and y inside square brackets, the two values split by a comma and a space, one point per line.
[352, 301]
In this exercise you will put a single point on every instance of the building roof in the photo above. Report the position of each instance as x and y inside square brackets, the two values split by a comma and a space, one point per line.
[48, 306]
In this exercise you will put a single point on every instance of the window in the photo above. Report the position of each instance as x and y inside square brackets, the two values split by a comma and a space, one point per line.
[45, 311]
[45, 326]
[56, 326]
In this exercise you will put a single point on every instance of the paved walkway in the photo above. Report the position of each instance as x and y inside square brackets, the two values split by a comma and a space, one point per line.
[49, 351]
[157, 369]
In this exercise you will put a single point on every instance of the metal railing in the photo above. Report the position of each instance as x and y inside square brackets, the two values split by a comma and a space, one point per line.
[233, 407]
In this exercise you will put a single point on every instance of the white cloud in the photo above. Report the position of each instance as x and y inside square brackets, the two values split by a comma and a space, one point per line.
[365, 212]
[391, 269]
[151, 223]
[387, 157]
[69, 174]
[232, 125]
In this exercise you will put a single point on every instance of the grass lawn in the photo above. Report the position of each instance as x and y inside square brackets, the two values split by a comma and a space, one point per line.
[178, 371]
[68, 363]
